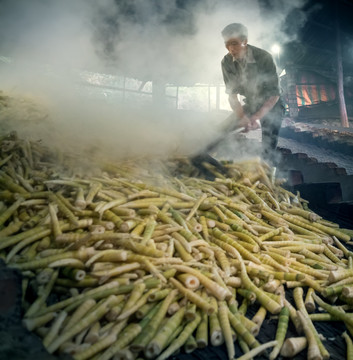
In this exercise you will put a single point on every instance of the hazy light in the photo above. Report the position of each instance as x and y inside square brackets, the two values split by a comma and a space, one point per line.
[276, 49]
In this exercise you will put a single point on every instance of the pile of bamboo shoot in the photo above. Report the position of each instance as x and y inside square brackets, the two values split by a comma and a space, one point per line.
[132, 262]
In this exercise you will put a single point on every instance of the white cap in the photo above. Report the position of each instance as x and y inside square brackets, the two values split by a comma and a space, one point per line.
[234, 30]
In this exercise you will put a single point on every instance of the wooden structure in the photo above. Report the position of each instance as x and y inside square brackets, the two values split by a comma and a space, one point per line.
[318, 66]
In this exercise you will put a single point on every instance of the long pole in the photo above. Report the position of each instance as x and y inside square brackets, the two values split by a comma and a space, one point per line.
[342, 103]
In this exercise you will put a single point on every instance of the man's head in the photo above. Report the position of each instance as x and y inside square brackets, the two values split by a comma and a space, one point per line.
[235, 38]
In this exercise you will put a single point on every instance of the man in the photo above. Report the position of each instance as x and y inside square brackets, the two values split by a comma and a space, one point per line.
[251, 72]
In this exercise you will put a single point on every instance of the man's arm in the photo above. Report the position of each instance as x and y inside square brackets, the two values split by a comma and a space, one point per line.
[264, 109]
[250, 122]
[236, 105]
[242, 119]
[230, 84]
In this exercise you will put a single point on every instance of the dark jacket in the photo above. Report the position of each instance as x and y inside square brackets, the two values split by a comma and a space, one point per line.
[255, 78]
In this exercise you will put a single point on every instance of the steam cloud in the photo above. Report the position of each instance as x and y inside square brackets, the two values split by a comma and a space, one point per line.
[164, 41]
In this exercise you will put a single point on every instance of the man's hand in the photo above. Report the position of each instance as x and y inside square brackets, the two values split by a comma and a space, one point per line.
[248, 124]
[254, 123]
[244, 123]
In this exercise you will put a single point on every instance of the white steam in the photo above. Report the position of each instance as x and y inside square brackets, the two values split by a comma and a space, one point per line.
[163, 41]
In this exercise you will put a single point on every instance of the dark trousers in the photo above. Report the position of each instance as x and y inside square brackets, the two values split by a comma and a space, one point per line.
[270, 126]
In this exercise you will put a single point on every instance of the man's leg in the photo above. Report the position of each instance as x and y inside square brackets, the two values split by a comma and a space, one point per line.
[270, 127]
